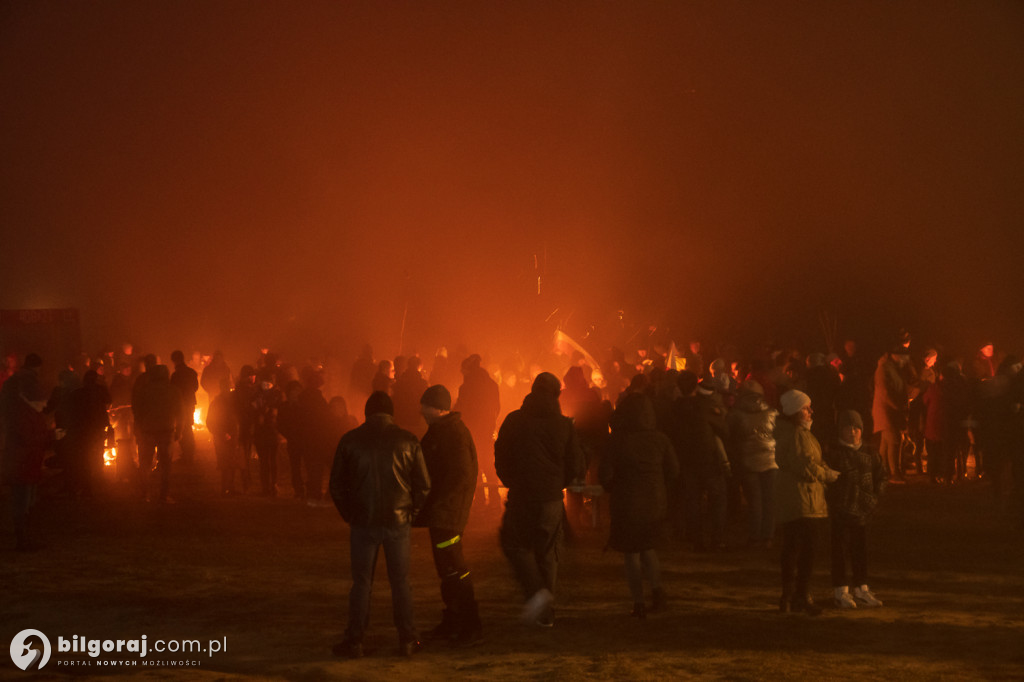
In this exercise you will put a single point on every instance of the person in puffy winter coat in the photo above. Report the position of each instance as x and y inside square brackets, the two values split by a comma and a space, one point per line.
[639, 465]
[752, 434]
[851, 501]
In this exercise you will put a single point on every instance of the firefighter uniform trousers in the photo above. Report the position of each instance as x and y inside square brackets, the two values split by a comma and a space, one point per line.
[461, 614]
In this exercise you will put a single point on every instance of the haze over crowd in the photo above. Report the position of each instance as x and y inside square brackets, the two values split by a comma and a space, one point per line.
[317, 175]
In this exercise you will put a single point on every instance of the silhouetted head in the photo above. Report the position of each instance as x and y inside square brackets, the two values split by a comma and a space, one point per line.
[687, 382]
[32, 361]
[547, 384]
[178, 358]
[379, 402]
[149, 361]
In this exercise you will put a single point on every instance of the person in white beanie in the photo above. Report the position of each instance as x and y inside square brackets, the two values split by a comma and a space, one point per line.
[800, 499]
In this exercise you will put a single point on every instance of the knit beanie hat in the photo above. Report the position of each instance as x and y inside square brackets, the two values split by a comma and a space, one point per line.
[850, 418]
[438, 397]
[793, 401]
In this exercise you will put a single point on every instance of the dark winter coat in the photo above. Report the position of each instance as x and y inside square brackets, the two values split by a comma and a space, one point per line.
[862, 477]
[186, 381]
[693, 438]
[157, 406]
[450, 455]
[637, 470]
[28, 439]
[537, 453]
[379, 477]
[752, 432]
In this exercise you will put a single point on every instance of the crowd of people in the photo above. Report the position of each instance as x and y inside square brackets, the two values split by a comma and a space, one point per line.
[672, 447]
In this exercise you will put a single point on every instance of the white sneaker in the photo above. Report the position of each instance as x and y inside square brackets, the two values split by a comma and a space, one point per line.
[865, 596]
[842, 599]
[537, 605]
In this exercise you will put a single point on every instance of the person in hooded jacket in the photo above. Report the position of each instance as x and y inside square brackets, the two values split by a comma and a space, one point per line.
[451, 460]
[637, 470]
[157, 420]
[800, 499]
[752, 434]
[697, 429]
[537, 455]
[851, 501]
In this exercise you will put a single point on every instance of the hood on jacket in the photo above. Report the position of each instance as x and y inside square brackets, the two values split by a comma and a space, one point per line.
[635, 413]
[541, 405]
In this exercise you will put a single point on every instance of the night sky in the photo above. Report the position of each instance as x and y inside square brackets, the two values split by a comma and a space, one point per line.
[301, 174]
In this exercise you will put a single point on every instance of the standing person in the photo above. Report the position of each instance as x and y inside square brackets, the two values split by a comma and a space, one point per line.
[157, 408]
[406, 392]
[752, 434]
[88, 421]
[479, 403]
[450, 456]
[379, 481]
[315, 439]
[536, 455]
[289, 422]
[851, 501]
[266, 437]
[800, 495]
[891, 407]
[246, 396]
[28, 437]
[185, 379]
[222, 423]
[214, 374]
[636, 472]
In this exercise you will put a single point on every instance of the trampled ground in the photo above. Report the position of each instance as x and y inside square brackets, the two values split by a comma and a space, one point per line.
[271, 576]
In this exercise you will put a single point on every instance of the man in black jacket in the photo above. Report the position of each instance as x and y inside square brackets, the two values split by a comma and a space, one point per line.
[452, 464]
[185, 379]
[536, 455]
[378, 483]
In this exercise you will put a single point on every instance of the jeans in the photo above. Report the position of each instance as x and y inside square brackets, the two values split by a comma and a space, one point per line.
[364, 544]
[531, 537]
[760, 489]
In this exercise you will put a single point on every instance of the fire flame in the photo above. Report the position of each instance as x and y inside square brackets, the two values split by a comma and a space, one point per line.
[109, 456]
[197, 423]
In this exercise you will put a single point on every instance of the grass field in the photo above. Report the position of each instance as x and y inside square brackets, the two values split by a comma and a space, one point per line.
[270, 578]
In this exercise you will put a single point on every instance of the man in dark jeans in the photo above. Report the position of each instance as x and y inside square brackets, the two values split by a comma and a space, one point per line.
[537, 454]
[378, 482]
